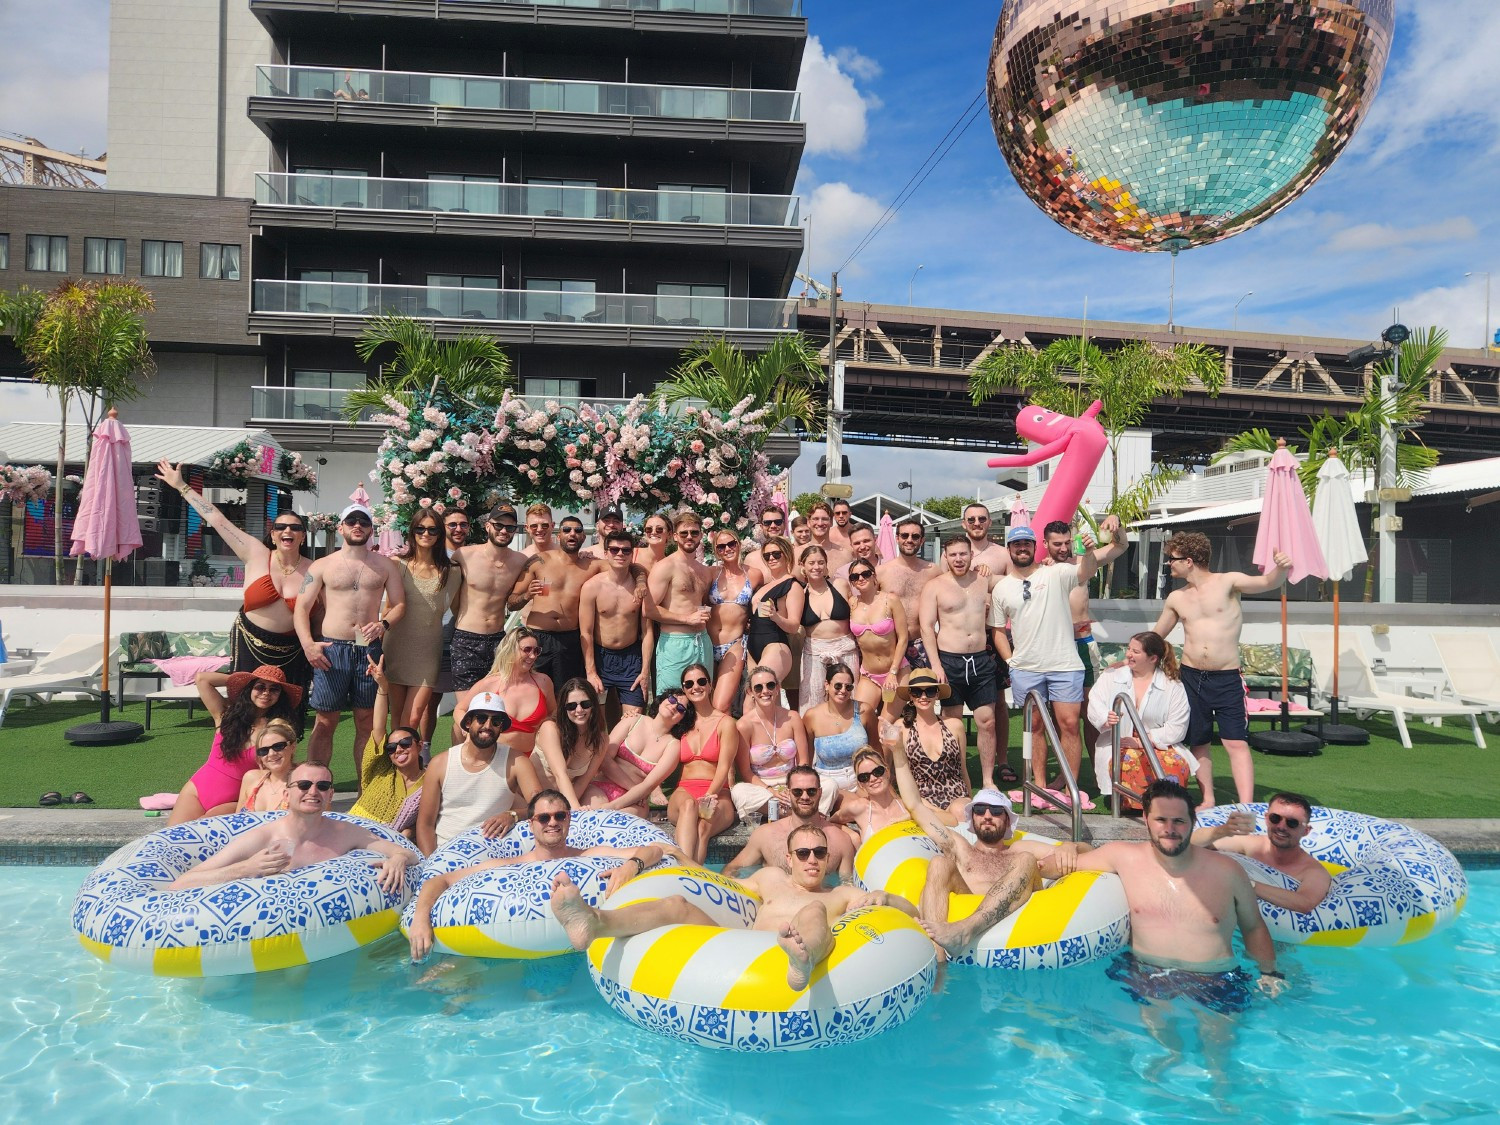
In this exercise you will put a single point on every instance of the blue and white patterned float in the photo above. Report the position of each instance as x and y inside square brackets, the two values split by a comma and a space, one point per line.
[124, 914]
[504, 911]
[1391, 884]
[725, 985]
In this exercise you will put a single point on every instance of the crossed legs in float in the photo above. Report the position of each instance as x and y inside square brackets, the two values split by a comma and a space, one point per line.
[1018, 879]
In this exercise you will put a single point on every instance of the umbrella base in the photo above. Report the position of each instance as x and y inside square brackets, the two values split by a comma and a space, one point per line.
[103, 734]
[1290, 742]
[1340, 734]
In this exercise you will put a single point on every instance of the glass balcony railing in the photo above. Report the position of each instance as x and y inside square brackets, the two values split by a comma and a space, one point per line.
[713, 7]
[468, 196]
[299, 404]
[391, 87]
[522, 306]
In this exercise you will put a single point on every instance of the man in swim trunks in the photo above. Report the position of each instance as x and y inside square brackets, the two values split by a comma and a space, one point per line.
[551, 582]
[301, 838]
[1288, 820]
[614, 629]
[1185, 903]
[550, 818]
[953, 610]
[679, 587]
[350, 583]
[903, 578]
[798, 907]
[489, 571]
[1209, 609]
[768, 843]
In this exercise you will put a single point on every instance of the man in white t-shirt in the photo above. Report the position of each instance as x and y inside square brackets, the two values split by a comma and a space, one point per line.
[1043, 658]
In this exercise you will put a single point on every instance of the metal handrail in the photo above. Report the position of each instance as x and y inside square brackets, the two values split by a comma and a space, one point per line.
[1120, 790]
[1034, 704]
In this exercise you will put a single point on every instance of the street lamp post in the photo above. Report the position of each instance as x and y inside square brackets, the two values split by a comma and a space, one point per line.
[1485, 274]
[1389, 523]
[912, 282]
[909, 486]
[1237, 309]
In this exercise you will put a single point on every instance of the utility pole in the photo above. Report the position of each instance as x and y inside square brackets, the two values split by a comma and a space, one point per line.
[1389, 522]
[834, 451]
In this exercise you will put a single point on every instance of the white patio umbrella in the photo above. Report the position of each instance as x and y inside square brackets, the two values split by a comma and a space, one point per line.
[1337, 529]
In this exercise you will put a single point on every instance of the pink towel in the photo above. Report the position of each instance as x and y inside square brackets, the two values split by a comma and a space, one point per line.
[1257, 704]
[159, 802]
[184, 669]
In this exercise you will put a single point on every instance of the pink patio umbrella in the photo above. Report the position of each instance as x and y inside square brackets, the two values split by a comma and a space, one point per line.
[1020, 514]
[106, 528]
[1286, 527]
[885, 538]
[1337, 528]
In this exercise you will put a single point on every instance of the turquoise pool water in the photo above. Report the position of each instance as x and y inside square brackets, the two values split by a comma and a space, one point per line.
[1406, 1035]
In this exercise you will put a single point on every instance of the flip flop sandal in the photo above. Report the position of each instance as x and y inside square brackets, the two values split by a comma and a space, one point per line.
[1008, 776]
[1085, 801]
[50, 799]
[80, 798]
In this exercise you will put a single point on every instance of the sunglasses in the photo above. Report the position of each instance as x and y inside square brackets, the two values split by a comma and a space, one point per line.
[861, 575]
[358, 521]
[924, 692]
[1025, 589]
[619, 551]
[727, 545]
[532, 651]
[877, 771]
[458, 525]
[1177, 558]
[273, 748]
[771, 556]
[691, 533]
[426, 531]
[535, 527]
[976, 519]
[485, 719]
[977, 809]
[759, 688]
[297, 527]
[264, 685]
[304, 784]
[699, 682]
[812, 792]
[912, 536]
[1278, 820]
[400, 744]
[819, 852]
[672, 701]
[551, 817]
[656, 530]
[839, 685]
[772, 523]
[579, 705]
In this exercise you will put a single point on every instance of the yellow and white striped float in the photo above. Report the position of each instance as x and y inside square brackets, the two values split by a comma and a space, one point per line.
[505, 912]
[1081, 917]
[1391, 884]
[124, 914]
[725, 985]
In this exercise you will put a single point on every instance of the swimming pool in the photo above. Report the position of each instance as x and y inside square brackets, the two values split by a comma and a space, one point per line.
[1366, 1035]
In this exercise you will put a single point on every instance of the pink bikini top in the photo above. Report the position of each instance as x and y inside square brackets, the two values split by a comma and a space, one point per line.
[882, 628]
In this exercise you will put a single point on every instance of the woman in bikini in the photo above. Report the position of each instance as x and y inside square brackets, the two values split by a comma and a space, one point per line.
[876, 804]
[729, 597]
[878, 623]
[656, 537]
[643, 753]
[263, 632]
[264, 788]
[934, 745]
[255, 698]
[838, 733]
[571, 748]
[822, 607]
[700, 805]
[528, 694]
[768, 637]
[391, 772]
[414, 647]
[772, 741]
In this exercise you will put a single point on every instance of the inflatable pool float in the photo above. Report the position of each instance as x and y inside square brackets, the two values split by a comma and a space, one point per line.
[1081, 917]
[124, 914]
[503, 912]
[725, 986]
[1391, 884]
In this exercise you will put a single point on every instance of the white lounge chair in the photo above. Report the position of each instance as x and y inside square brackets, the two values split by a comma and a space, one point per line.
[1473, 669]
[1358, 690]
[73, 665]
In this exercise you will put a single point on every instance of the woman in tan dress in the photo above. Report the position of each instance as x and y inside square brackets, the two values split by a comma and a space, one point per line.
[414, 647]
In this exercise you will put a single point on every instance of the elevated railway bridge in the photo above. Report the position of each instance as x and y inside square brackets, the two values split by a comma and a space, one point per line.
[906, 381]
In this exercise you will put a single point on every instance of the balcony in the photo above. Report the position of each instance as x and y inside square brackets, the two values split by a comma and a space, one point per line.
[299, 404]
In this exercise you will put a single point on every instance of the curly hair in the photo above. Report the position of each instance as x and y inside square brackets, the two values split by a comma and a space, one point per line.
[1193, 545]
[241, 717]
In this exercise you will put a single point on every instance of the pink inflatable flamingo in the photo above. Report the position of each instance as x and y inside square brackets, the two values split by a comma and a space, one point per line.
[1081, 442]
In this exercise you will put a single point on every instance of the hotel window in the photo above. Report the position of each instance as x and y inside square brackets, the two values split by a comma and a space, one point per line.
[329, 187]
[692, 203]
[219, 259]
[104, 255]
[477, 298]
[553, 388]
[549, 298]
[692, 305]
[454, 191]
[557, 198]
[4, 251]
[160, 259]
[340, 291]
[47, 253]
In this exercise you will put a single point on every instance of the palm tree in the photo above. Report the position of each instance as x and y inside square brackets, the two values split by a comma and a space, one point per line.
[87, 341]
[781, 378]
[474, 369]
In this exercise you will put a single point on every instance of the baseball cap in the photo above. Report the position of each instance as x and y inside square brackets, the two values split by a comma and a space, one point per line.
[1019, 534]
[609, 514]
[500, 509]
[356, 509]
[989, 797]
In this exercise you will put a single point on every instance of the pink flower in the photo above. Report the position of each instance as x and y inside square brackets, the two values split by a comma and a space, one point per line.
[426, 501]
[696, 446]
[455, 492]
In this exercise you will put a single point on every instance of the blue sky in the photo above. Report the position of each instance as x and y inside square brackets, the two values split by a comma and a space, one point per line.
[1396, 223]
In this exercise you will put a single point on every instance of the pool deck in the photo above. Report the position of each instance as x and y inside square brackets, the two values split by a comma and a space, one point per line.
[56, 836]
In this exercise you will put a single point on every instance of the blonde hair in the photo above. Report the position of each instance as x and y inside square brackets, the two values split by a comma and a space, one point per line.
[508, 653]
[278, 726]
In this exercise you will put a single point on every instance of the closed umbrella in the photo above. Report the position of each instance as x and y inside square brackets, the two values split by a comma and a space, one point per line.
[1020, 514]
[106, 528]
[1286, 527]
[885, 538]
[1337, 528]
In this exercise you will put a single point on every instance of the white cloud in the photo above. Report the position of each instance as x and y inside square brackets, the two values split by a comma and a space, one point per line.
[832, 105]
[1382, 236]
[841, 217]
[1459, 308]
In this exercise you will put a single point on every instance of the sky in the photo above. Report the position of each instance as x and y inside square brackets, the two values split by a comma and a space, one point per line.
[1395, 224]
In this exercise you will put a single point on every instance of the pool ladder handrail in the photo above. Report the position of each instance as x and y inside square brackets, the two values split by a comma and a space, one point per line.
[1124, 704]
[1033, 704]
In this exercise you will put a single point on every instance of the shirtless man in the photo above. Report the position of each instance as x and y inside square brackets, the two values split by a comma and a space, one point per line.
[551, 582]
[350, 583]
[768, 843]
[679, 605]
[1185, 903]
[874, 805]
[841, 533]
[614, 629]
[820, 522]
[903, 578]
[456, 530]
[798, 907]
[1288, 820]
[539, 530]
[987, 553]
[861, 548]
[772, 522]
[550, 817]
[608, 520]
[301, 838]
[489, 572]
[953, 610]
[1209, 609]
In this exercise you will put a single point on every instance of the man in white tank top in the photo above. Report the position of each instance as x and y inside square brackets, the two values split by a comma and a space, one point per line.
[475, 782]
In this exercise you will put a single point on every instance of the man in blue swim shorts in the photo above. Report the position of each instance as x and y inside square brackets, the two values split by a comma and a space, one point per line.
[617, 640]
[679, 592]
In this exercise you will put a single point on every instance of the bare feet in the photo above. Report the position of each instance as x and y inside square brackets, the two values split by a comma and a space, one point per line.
[580, 921]
[948, 937]
[799, 971]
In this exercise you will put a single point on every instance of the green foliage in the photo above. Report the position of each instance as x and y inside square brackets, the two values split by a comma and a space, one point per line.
[472, 369]
[19, 312]
[1134, 504]
[949, 507]
[803, 502]
[781, 378]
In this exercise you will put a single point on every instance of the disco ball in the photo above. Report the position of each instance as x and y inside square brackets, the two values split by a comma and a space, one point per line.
[1147, 125]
